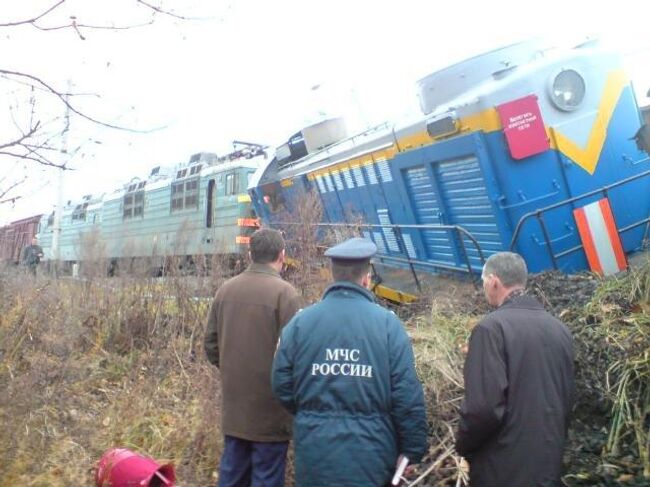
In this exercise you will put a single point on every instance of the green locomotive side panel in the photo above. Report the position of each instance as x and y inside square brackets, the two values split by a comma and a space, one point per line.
[196, 213]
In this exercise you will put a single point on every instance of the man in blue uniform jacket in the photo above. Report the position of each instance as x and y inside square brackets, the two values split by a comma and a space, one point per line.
[344, 368]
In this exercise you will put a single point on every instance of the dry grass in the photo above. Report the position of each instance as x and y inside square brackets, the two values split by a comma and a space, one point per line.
[438, 340]
[89, 365]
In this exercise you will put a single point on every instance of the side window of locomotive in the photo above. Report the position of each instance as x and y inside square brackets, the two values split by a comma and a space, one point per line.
[178, 194]
[192, 193]
[133, 204]
[231, 184]
[127, 206]
[79, 213]
[138, 203]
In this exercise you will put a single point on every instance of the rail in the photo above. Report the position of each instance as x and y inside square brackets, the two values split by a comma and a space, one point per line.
[461, 234]
[539, 215]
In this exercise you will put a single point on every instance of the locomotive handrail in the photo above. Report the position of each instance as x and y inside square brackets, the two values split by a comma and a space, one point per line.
[527, 202]
[462, 232]
[539, 215]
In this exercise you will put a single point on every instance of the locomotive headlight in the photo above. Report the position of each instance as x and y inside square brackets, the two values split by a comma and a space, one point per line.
[567, 90]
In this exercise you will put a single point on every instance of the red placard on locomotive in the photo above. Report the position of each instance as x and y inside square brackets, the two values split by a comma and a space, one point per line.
[523, 127]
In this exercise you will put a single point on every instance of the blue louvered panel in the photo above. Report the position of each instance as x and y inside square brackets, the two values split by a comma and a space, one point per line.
[427, 211]
[466, 200]
[389, 233]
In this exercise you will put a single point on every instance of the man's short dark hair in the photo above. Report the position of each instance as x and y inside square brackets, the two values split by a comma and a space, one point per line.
[266, 245]
[351, 271]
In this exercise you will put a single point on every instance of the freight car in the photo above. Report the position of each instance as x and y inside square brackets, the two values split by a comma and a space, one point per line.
[526, 147]
[196, 208]
[15, 237]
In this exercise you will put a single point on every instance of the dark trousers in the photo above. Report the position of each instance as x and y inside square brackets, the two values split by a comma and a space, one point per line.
[252, 464]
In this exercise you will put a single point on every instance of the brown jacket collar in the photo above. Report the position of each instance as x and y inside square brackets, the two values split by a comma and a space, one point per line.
[262, 268]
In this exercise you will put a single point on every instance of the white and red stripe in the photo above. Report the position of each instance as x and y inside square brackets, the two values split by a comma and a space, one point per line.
[600, 238]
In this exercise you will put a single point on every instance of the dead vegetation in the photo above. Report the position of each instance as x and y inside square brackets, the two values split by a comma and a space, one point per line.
[609, 438]
[85, 366]
[88, 365]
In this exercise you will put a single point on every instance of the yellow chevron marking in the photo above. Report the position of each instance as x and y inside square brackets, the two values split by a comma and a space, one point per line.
[587, 157]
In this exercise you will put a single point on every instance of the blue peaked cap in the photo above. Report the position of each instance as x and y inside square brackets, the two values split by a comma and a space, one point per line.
[352, 249]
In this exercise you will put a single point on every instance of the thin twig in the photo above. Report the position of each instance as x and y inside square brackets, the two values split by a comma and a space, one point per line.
[20, 140]
[3, 192]
[40, 159]
[443, 456]
[34, 19]
[160, 10]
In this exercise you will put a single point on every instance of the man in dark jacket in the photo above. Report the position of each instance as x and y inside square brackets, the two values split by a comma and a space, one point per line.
[344, 368]
[246, 317]
[32, 255]
[518, 386]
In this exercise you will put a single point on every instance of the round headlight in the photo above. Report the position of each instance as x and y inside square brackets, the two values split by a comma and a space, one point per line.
[568, 90]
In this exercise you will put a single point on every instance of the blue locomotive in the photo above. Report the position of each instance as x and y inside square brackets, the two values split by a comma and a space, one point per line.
[196, 208]
[528, 147]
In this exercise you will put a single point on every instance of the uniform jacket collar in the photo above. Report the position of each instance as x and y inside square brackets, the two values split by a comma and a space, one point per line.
[262, 269]
[349, 286]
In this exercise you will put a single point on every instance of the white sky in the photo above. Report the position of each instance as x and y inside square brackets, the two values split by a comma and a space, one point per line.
[246, 71]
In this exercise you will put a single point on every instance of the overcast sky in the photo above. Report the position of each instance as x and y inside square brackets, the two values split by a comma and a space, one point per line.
[247, 70]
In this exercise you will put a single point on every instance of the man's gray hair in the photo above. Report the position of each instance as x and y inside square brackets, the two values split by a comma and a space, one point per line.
[509, 267]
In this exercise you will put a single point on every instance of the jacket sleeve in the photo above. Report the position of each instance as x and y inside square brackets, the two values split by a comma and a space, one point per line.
[408, 410]
[486, 383]
[211, 342]
[289, 304]
[282, 371]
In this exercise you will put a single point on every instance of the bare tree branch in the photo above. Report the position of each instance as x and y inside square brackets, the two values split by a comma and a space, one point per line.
[4, 192]
[35, 158]
[160, 10]
[32, 141]
[74, 25]
[20, 140]
[34, 19]
[62, 97]
[10, 200]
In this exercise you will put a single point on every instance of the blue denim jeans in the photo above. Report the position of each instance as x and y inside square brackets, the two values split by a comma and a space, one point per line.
[252, 464]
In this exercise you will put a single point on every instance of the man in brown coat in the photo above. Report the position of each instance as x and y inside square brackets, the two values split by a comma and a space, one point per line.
[246, 318]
